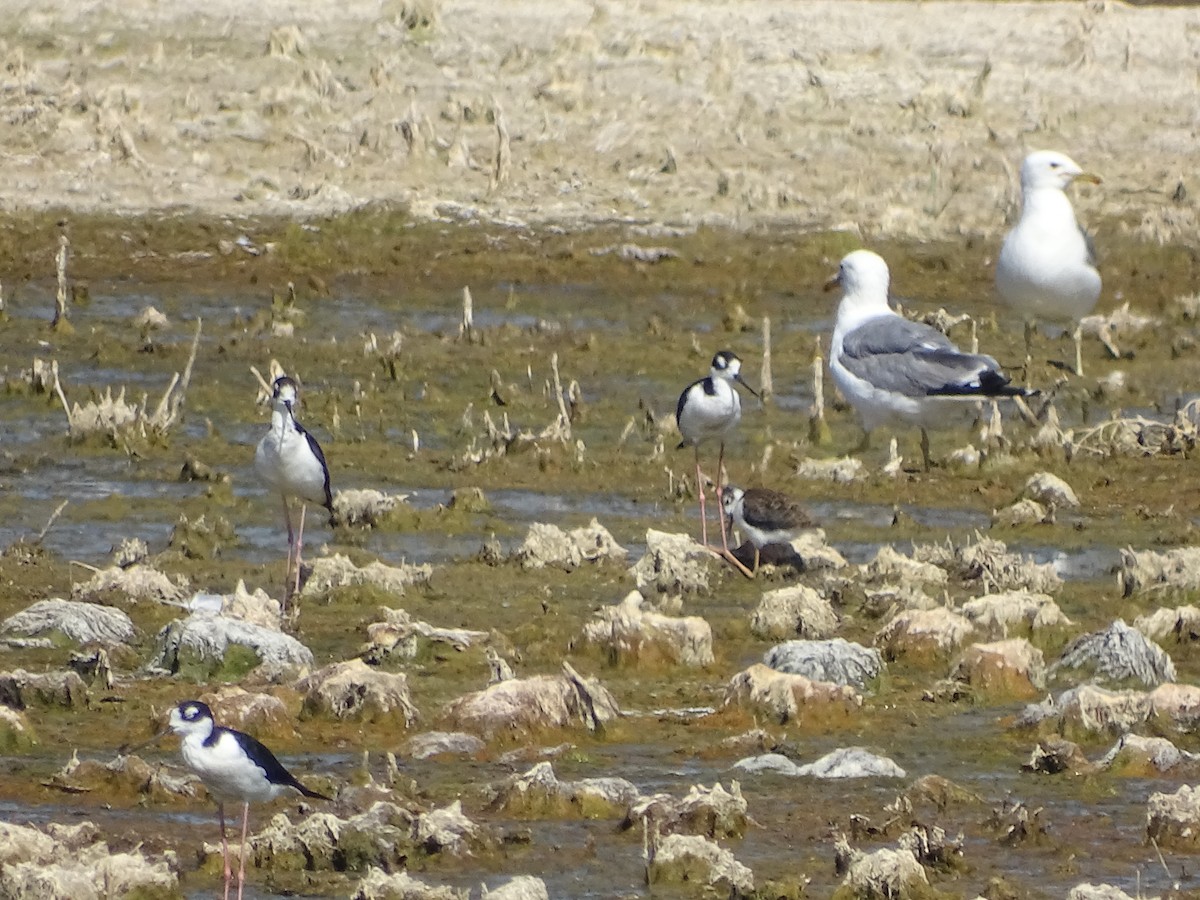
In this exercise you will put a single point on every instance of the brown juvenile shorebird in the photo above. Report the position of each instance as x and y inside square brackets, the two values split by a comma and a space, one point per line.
[765, 516]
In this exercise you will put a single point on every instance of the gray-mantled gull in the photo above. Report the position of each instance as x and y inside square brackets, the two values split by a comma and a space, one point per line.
[1047, 266]
[709, 409]
[891, 369]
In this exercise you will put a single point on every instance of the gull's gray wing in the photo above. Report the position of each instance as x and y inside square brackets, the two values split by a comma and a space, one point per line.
[914, 360]
[1091, 246]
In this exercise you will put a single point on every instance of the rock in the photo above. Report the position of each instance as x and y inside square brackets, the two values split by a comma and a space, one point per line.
[83, 623]
[889, 599]
[672, 564]
[1022, 512]
[988, 562]
[538, 793]
[202, 643]
[443, 743]
[126, 776]
[1089, 710]
[447, 830]
[1050, 490]
[399, 634]
[20, 843]
[852, 762]
[1054, 755]
[1089, 891]
[816, 553]
[837, 660]
[1176, 569]
[1178, 704]
[889, 563]
[202, 539]
[365, 508]
[1009, 669]
[838, 471]
[787, 698]
[713, 812]
[690, 858]
[768, 763]
[1119, 653]
[150, 319]
[1015, 614]
[894, 874]
[794, 611]
[848, 762]
[519, 706]
[379, 885]
[69, 864]
[1173, 820]
[923, 633]
[807, 552]
[21, 690]
[628, 633]
[1180, 625]
[939, 793]
[384, 835]
[548, 545]
[1136, 756]
[470, 500]
[134, 584]
[236, 708]
[352, 689]
[257, 608]
[93, 667]
[380, 836]
[16, 736]
[337, 571]
[522, 887]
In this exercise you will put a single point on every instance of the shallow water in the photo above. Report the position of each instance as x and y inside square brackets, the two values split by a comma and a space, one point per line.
[627, 338]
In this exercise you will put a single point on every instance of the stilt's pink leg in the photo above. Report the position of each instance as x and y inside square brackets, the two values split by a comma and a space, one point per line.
[700, 493]
[224, 848]
[242, 863]
[287, 575]
[717, 490]
[299, 545]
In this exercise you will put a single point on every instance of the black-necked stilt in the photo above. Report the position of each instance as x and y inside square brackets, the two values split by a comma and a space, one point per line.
[290, 462]
[709, 409]
[891, 369]
[234, 767]
[1047, 265]
[765, 516]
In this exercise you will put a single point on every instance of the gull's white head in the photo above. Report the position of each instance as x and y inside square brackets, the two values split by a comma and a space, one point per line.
[863, 277]
[1051, 169]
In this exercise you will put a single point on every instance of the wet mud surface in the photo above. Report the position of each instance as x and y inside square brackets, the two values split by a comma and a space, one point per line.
[631, 335]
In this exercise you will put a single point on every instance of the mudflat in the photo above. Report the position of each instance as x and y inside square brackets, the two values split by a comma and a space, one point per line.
[900, 119]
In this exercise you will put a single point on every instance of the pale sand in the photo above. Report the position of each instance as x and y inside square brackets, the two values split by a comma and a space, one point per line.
[869, 116]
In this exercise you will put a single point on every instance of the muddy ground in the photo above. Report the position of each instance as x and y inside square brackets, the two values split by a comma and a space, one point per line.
[381, 157]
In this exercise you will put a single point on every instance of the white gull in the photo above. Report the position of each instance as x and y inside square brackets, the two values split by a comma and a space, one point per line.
[892, 370]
